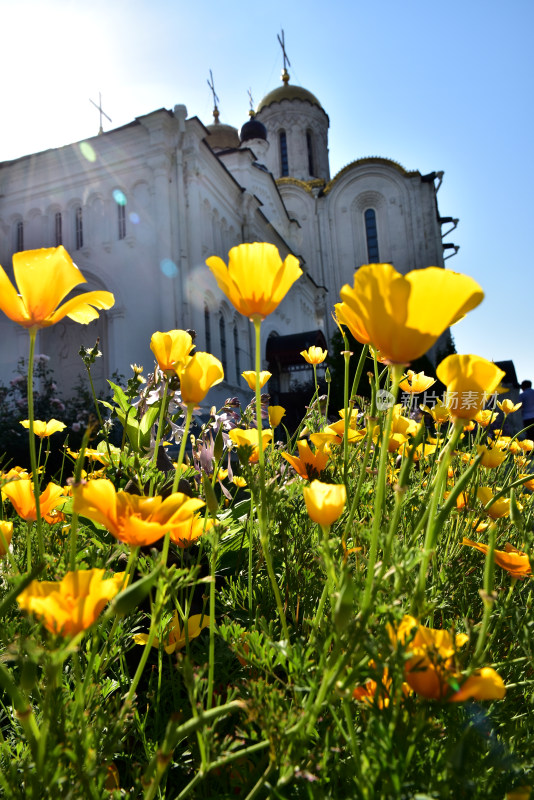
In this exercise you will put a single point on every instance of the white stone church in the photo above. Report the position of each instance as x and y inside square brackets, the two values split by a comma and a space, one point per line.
[141, 207]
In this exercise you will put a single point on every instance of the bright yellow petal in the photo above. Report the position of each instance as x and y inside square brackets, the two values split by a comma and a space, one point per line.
[82, 308]
[10, 302]
[44, 278]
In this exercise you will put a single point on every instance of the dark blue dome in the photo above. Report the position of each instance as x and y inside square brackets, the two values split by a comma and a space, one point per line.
[253, 129]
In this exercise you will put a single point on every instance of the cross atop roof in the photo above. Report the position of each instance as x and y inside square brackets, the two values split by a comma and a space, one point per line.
[102, 112]
[287, 62]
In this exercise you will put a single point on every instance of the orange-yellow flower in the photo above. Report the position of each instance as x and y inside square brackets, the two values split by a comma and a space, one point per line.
[485, 417]
[44, 278]
[431, 671]
[171, 349]
[135, 520]
[6, 534]
[44, 429]
[514, 561]
[187, 532]
[470, 380]
[491, 456]
[314, 355]
[325, 501]
[256, 279]
[508, 406]
[250, 377]
[201, 372]
[72, 604]
[20, 492]
[249, 439]
[440, 413]
[404, 315]
[308, 465]
[499, 508]
[416, 382]
[276, 414]
[175, 637]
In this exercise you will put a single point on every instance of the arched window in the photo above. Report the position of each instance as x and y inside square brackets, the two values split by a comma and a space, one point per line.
[58, 229]
[372, 236]
[78, 227]
[236, 354]
[309, 145]
[222, 336]
[284, 163]
[207, 329]
[121, 211]
[19, 236]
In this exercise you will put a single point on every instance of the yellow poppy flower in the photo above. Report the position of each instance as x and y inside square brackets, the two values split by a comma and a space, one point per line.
[239, 481]
[416, 382]
[314, 355]
[186, 533]
[44, 429]
[276, 413]
[256, 279]
[500, 508]
[250, 377]
[135, 520]
[404, 315]
[249, 439]
[6, 534]
[308, 465]
[526, 445]
[20, 492]
[325, 501]
[430, 669]
[470, 381]
[485, 417]
[508, 406]
[514, 561]
[201, 372]
[491, 456]
[440, 413]
[171, 349]
[174, 637]
[72, 604]
[44, 278]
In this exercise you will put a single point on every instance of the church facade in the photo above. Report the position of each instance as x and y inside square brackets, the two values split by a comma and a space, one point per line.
[142, 206]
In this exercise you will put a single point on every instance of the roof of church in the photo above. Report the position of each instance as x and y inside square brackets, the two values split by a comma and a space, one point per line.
[253, 129]
[222, 136]
[288, 92]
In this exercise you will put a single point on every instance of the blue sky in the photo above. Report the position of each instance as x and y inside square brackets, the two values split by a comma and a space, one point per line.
[433, 86]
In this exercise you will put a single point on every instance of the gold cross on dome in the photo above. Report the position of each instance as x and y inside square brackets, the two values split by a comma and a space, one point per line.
[287, 62]
[102, 112]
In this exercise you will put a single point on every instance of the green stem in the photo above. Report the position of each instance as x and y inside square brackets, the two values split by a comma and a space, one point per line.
[180, 461]
[380, 489]
[262, 511]
[487, 598]
[162, 412]
[33, 457]
[435, 520]
[211, 668]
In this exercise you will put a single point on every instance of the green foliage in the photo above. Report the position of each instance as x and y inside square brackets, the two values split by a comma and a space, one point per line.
[300, 695]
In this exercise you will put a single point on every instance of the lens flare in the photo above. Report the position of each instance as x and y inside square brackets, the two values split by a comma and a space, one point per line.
[134, 218]
[119, 197]
[87, 151]
[169, 268]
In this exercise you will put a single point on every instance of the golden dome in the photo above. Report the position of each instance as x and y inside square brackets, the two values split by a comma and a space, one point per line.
[288, 92]
[222, 136]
